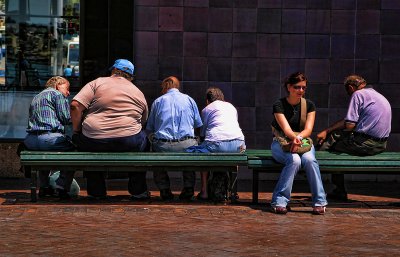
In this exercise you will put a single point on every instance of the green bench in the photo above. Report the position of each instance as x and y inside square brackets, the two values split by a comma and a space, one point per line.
[332, 163]
[131, 162]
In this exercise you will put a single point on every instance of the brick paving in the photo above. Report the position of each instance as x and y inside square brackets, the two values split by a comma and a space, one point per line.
[368, 225]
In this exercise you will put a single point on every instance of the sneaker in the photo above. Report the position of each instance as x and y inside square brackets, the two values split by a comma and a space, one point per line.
[143, 196]
[319, 210]
[46, 192]
[166, 194]
[187, 194]
[279, 210]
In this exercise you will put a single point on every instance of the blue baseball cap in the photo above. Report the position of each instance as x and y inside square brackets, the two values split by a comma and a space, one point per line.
[124, 65]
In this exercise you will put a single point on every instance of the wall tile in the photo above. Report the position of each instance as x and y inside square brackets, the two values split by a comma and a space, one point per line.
[196, 90]
[344, 4]
[289, 66]
[196, 3]
[170, 66]
[341, 68]
[170, 19]
[244, 69]
[293, 21]
[321, 119]
[368, 46]
[319, 4]
[388, 18]
[245, 4]
[338, 97]
[146, 67]
[264, 118]
[369, 69]
[226, 88]
[343, 22]
[263, 140]
[243, 94]
[146, 18]
[268, 45]
[318, 46]
[170, 43]
[391, 92]
[244, 45]
[368, 22]
[146, 43]
[146, 2]
[269, 3]
[170, 2]
[219, 44]
[395, 125]
[219, 69]
[268, 70]
[390, 4]
[267, 93]
[247, 119]
[342, 46]
[293, 46]
[220, 20]
[195, 44]
[221, 3]
[318, 21]
[195, 68]
[390, 46]
[151, 90]
[269, 21]
[317, 70]
[389, 70]
[393, 142]
[196, 19]
[318, 93]
[294, 4]
[244, 20]
[368, 4]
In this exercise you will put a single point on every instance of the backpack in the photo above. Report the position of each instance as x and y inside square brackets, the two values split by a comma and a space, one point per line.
[217, 186]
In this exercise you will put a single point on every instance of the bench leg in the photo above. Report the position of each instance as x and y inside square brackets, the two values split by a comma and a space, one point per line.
[34, 179]
[255, 186]
[233, 185]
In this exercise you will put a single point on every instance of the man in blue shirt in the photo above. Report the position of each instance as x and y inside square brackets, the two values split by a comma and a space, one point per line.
[48, 116]
[172, 120]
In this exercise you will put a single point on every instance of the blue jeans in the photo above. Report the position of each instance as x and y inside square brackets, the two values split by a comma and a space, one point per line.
[293, 163]
[161, 178]
[96, 183]
[51, 142]
[228, 146]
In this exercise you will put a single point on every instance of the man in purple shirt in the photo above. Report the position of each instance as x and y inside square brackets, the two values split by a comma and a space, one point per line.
[171, 123]
[364, 130]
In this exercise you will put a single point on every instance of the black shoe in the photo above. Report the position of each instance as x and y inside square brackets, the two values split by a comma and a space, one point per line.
[63, 194]
[187, 194]
[46, 191]
[338, 195]
[166, 194]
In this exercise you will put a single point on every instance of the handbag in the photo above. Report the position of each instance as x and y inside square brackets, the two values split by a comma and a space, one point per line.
[286, 143]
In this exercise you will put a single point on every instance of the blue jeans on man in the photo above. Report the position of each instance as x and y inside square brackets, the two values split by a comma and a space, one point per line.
[49, 141]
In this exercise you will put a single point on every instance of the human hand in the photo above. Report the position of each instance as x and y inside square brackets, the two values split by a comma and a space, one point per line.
[296, 143]
[321, 137]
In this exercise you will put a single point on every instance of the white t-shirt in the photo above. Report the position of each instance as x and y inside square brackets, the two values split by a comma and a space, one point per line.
[220, 122]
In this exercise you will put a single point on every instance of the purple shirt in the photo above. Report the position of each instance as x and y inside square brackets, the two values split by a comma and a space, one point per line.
[371, 112]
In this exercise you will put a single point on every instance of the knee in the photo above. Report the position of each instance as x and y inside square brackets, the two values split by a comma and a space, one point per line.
[294, 160]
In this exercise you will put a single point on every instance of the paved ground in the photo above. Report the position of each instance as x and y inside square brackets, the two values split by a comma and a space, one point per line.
[368, 225]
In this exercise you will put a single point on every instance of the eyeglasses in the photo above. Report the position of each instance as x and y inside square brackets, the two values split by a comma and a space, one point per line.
[300, 87]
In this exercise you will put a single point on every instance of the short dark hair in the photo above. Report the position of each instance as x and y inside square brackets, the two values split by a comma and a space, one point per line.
[294, 78]
[214, 94]
[354, 80]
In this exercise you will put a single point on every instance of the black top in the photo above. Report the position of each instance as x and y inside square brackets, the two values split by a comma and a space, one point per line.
[291, 112]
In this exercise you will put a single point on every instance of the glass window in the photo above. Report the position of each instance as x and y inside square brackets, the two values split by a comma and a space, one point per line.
[39, 39]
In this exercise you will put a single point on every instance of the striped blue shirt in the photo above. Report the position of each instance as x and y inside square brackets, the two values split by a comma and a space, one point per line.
[49, 111]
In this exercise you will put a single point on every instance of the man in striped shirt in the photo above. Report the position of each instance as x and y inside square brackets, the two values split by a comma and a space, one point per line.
[48, 115]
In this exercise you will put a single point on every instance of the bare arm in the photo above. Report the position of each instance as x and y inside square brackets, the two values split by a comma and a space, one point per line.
[321, 137]
[76, 115]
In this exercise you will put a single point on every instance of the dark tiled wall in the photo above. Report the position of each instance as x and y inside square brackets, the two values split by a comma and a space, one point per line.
[248, 47]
